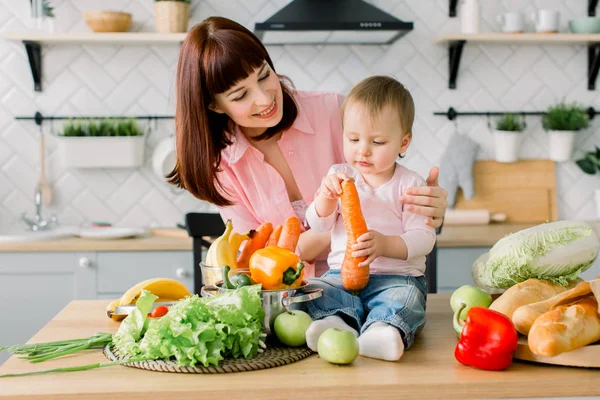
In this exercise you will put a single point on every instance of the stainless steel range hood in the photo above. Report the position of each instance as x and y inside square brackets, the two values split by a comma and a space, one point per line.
[331, 22]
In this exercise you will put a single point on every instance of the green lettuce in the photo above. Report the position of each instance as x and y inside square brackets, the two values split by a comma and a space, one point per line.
[556, 251]
[197, 329]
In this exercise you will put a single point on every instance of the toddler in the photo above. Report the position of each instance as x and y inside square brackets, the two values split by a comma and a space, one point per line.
[377, 129]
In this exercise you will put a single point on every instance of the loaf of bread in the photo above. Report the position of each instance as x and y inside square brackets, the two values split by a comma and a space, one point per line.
[524, 317]
[530, 291]
[565, 328]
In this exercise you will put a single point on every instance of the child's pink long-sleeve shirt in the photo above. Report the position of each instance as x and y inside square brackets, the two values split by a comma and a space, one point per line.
[310, 146]
[385, 214]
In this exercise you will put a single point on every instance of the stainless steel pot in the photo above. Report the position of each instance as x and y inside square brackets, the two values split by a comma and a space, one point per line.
[274, 302]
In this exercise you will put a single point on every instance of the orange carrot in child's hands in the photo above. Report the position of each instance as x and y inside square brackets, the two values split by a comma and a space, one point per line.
[353, 277]
[290, 233]
[258, 241]
[274, 238]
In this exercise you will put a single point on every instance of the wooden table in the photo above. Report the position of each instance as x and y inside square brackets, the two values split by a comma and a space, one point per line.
[428, 370]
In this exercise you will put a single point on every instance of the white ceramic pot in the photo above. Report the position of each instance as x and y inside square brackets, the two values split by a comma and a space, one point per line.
[506, 145]
[597, 198]
[561, 145]
[102, 151]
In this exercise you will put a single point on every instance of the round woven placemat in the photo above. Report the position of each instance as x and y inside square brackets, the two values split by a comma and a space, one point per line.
[273, 356]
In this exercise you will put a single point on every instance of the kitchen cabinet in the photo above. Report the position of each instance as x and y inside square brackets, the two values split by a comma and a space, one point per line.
[34, 286]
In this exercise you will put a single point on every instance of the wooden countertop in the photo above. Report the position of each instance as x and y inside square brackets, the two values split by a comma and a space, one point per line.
[427, 370]
[163, 239]
[484, 235]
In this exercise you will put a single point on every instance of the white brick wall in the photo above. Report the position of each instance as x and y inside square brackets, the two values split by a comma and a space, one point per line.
[139, 80]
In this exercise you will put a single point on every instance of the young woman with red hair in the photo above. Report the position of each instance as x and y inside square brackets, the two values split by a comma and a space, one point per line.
[251, 144]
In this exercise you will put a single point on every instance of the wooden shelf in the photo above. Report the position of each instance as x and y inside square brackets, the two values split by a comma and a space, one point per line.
[456, 42]
[518, 38]
[33, 44]
[112, 38]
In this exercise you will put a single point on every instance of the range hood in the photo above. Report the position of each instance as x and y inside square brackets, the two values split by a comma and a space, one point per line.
[331, 22]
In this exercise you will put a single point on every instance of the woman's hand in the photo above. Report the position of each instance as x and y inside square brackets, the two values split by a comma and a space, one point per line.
[428, 200]
[370, 245]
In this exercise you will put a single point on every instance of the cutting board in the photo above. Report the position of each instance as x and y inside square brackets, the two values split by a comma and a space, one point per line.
[525, 190]
[587, 356]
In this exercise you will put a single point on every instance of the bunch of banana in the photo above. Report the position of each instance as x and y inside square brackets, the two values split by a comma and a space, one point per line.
[166, 289]
[223, 251]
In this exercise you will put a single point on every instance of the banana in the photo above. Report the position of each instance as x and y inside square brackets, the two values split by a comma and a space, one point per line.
[166, 289]
[235, 241]
[219, 252]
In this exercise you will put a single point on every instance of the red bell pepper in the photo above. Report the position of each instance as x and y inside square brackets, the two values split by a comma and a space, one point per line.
[487, 341]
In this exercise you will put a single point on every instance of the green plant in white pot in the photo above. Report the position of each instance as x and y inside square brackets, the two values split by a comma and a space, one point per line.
[562, 121]
[107, 143]
[507, 137]
[590, 164]
[171, 16]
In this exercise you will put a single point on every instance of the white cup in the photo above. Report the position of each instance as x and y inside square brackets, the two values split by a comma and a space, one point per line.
[546, 20]
[512, 22]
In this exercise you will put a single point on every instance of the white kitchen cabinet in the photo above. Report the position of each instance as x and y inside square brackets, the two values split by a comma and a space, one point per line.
[454, 266]
[35, 286]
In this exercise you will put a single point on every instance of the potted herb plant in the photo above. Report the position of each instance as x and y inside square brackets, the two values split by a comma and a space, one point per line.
[590, 164]
[507, 137]
[562, 121]
[171, 16]
[106, 143]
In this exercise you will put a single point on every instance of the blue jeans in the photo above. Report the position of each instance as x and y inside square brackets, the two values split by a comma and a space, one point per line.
[394, 299]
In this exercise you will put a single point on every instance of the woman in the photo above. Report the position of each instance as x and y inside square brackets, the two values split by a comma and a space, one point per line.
[251, 145]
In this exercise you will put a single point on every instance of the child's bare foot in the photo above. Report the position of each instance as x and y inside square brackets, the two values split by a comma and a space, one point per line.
[381, 341]
[319, 326]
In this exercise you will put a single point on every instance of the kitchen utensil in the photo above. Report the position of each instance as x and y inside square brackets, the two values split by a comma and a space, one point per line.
[524, 190]
[108, 21]
[164, 157]
[512, 22]
[586, 356]
[43, 182]
[470, 16]
[110, 233]
[546, 21]
[472, 217]
[127, 309]
[274, 301]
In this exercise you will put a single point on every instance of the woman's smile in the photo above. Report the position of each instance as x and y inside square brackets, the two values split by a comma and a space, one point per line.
[268, 112]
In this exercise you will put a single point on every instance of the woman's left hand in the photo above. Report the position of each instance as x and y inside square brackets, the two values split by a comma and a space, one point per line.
[429, 200]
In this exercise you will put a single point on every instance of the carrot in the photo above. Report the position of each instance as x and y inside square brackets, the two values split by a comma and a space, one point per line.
[274, 238]
[290, 233]
[353, 277]
[256, 242]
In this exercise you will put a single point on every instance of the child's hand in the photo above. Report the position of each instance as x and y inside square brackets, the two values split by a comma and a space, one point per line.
[371, 245]
[331, 187]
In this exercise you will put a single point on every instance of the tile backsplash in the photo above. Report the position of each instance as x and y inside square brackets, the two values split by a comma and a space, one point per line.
[101, 79]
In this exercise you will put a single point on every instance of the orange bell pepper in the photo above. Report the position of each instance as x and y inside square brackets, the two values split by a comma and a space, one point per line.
[276, 268]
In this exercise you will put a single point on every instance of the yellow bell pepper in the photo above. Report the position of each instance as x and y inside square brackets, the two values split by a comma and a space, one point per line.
[276, 268]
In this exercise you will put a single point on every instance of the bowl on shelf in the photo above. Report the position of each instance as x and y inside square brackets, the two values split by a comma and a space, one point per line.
[108, 21]
[585, 25]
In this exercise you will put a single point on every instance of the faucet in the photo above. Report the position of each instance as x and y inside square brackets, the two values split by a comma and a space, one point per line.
[37, 223]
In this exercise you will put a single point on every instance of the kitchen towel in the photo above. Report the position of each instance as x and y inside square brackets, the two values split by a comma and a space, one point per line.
[456, 167]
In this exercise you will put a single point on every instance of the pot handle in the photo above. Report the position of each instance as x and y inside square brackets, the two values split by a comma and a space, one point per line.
[207, 290]
[310, 295]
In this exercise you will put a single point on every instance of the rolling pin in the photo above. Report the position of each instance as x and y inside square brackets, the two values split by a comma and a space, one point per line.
[472, 217]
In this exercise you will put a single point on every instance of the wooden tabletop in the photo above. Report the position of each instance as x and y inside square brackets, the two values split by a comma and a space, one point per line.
[427, 370]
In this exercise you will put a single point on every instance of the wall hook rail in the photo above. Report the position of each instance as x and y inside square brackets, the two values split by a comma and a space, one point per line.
[39, 118]
[452, 114]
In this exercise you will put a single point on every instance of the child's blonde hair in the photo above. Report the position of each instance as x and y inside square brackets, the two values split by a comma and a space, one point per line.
[378, 92]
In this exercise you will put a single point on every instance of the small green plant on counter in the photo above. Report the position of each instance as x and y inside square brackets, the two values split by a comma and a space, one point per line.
[590, 163]
[104, 127]
[510, 122]
[565, 117]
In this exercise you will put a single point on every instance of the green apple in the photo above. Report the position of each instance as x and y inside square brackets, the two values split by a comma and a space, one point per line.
[470, 296]
[338, 346]
[290, 327]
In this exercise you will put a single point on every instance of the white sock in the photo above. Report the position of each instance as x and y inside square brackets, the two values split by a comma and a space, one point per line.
[319, 326]
[381, 341]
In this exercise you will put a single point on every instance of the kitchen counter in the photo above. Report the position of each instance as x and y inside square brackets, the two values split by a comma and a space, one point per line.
[164, 239]
[484, 235]
[427, 370]
[178, 239]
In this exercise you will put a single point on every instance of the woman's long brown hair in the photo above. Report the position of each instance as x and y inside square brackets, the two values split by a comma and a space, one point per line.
[215, 55]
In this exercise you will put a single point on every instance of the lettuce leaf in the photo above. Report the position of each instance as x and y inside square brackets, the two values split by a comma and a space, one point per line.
[199, 329]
